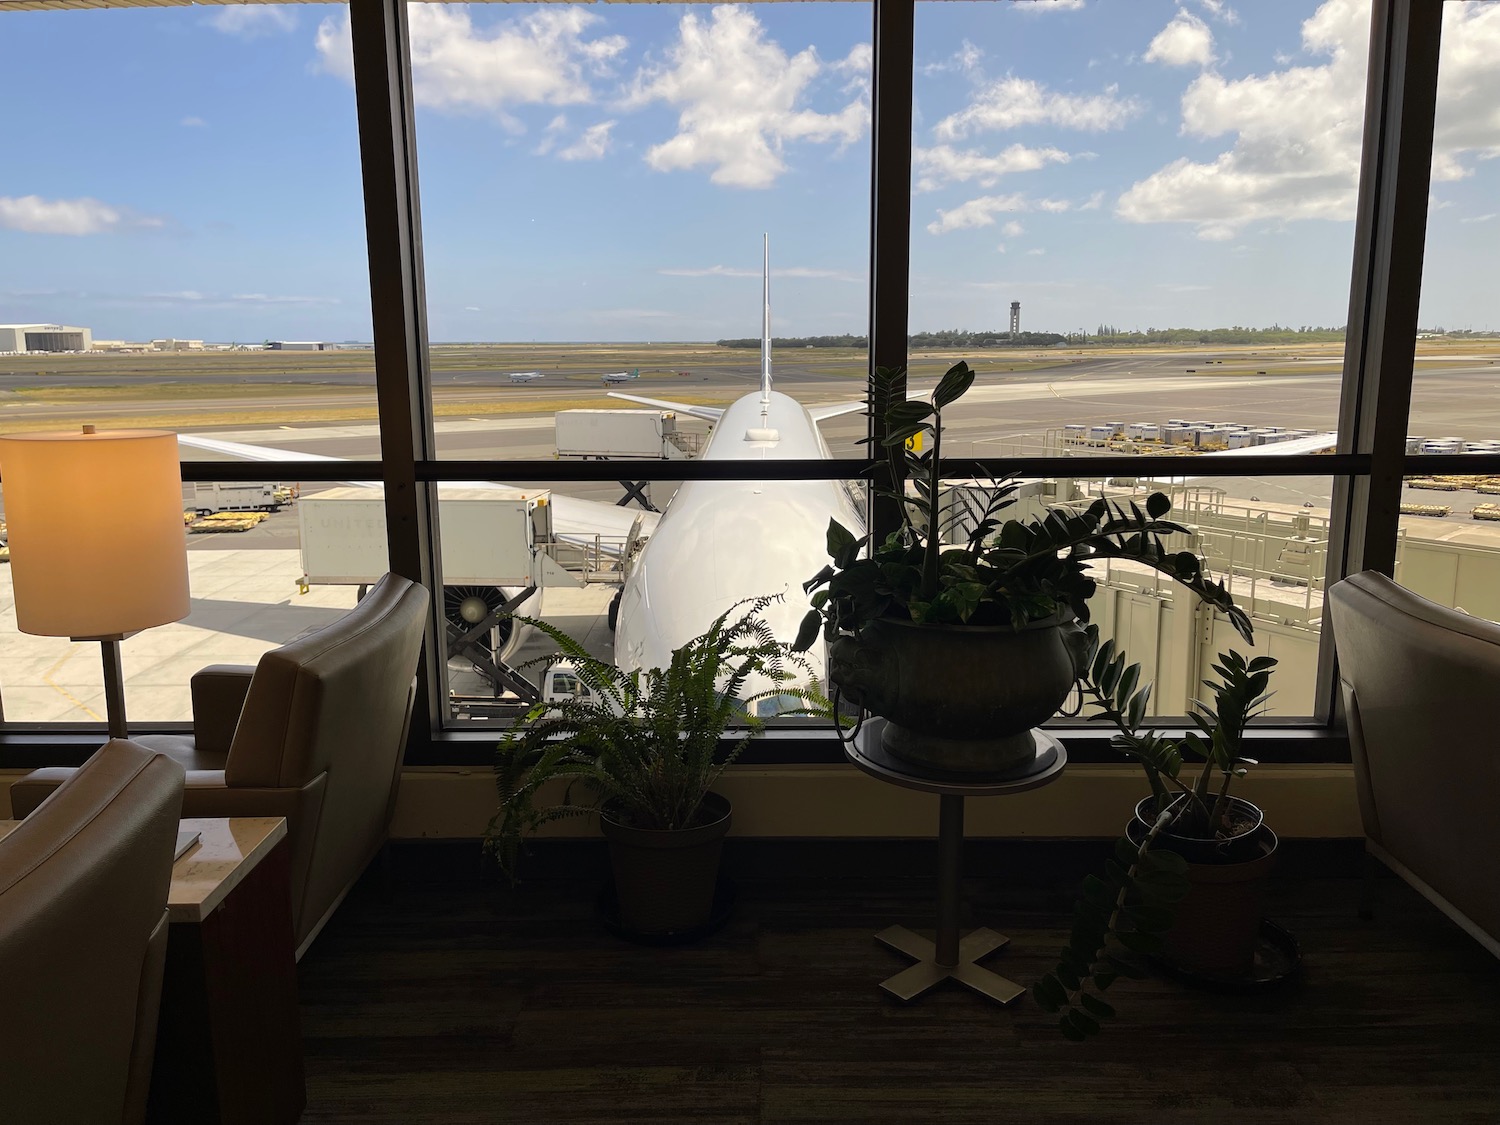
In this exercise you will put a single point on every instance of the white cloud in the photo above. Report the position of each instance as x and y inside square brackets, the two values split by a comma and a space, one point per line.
[790, 271]
[941, 165]
[35, 215]
[471, 308]
[545, 57]
[193, 123]
[196, 299]
[1036, 253]
[1013, 229]
[1479, 218]
[253, 21]
[1221, 11]
[1093, 203]
[709, 271]
[1186, 41]
[1049, 5]
[965, 60]
[1304, 163]
[741, 99]
[979, 212]
[1011, 102]
[592, 145]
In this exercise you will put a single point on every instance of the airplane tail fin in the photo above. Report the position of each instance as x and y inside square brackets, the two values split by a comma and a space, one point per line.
[765, 320]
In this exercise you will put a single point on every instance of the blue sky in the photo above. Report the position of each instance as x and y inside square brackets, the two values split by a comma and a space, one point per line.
[603, 172]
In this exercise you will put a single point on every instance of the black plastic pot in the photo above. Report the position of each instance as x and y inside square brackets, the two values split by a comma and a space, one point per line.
[961, 698]
[664, 880]
[1216, 928]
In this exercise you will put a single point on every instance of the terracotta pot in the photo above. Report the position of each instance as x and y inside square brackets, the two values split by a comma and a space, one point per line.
[665, 880]
[961, 698]
[1216, 927]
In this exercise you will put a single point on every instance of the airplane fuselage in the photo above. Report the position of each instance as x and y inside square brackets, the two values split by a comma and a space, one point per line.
[719, 542]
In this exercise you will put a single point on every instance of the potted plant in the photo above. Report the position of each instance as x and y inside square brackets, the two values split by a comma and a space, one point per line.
[965, 647]
[1187, 879]
[645, 748]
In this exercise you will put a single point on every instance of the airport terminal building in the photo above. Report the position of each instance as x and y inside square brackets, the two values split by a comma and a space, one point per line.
[44, 338]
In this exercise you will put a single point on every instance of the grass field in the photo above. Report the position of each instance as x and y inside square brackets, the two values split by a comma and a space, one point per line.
[183, 390]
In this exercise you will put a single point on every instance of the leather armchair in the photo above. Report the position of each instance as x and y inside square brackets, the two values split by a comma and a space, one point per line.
[314, 732]
[83, 940]
[1419, 682]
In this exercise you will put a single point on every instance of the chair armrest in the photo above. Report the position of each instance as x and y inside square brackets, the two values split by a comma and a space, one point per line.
[218, 698]
[36, 787]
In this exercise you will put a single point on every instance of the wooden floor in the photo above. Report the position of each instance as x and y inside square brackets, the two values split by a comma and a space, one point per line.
[457, 1001]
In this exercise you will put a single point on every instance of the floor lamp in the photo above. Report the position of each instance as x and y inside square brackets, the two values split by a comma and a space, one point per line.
[97, 547]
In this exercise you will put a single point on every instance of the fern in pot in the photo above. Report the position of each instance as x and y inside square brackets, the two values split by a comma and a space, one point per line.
[964, 647]
[643, 749]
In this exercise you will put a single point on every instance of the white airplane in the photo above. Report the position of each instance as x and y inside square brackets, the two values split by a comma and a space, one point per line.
[718, 542]
[525, 376]
[621, 376]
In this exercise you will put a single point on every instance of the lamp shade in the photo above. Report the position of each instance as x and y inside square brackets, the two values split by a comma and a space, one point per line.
[97, 543]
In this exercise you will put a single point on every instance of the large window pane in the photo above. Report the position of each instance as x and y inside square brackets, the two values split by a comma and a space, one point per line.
[1449, 545]
[1145, 210]
[627, 584]
[595, 184]
[1262, 538]
[181, 229]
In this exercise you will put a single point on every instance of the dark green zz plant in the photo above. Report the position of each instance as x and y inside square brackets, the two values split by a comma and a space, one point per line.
[1123, 915]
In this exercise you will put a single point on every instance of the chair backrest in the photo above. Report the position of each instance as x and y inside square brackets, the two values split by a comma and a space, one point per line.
[336, 702]
[1419, 683]
[83, 937]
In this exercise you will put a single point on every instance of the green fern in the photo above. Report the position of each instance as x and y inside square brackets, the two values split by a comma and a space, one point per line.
[647, 743]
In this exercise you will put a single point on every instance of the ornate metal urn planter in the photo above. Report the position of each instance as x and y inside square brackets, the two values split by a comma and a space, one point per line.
[961, 698]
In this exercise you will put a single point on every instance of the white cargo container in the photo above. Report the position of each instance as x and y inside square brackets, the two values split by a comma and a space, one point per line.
[490, 537]
[639, 434]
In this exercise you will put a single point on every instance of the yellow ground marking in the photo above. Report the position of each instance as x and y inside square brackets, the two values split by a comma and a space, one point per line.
[64, 692]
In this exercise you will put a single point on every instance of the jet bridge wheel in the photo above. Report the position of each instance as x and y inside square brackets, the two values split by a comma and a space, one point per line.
[467, 606]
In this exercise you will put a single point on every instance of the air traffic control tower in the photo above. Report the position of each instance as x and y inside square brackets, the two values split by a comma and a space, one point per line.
[1015, 318]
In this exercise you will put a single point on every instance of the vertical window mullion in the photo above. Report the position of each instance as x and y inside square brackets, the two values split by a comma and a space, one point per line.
[1385, 292]
[890, 216]
[387, 140]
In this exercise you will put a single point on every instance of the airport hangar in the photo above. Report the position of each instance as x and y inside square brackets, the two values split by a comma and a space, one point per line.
[45, 338]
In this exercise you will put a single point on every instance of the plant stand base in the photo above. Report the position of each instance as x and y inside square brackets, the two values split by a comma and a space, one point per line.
[927, 973]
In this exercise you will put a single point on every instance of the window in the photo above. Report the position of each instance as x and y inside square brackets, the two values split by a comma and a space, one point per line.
[1449, 541]
[182, 247]
[1162, 257]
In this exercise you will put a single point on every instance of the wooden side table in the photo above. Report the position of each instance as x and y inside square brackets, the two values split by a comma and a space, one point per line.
[951, 958]
[229, 1044]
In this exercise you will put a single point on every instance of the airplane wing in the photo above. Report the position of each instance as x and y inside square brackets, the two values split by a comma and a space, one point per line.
[820, 413]
[708, 413]
[574, 520]
[1314, 444]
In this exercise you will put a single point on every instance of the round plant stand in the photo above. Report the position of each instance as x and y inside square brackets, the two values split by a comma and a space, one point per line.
[951, 957]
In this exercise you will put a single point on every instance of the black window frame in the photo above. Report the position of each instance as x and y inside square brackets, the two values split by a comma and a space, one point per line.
[1367, 468]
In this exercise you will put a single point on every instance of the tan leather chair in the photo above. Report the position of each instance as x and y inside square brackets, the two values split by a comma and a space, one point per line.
[1419, 684]
[315, 733]
[83, 938]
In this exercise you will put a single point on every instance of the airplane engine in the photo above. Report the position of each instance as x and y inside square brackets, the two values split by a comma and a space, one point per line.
[466, 606]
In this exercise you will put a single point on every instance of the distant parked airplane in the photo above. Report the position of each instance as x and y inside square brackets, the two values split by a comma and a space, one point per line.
[621, 376]
[524, 376]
